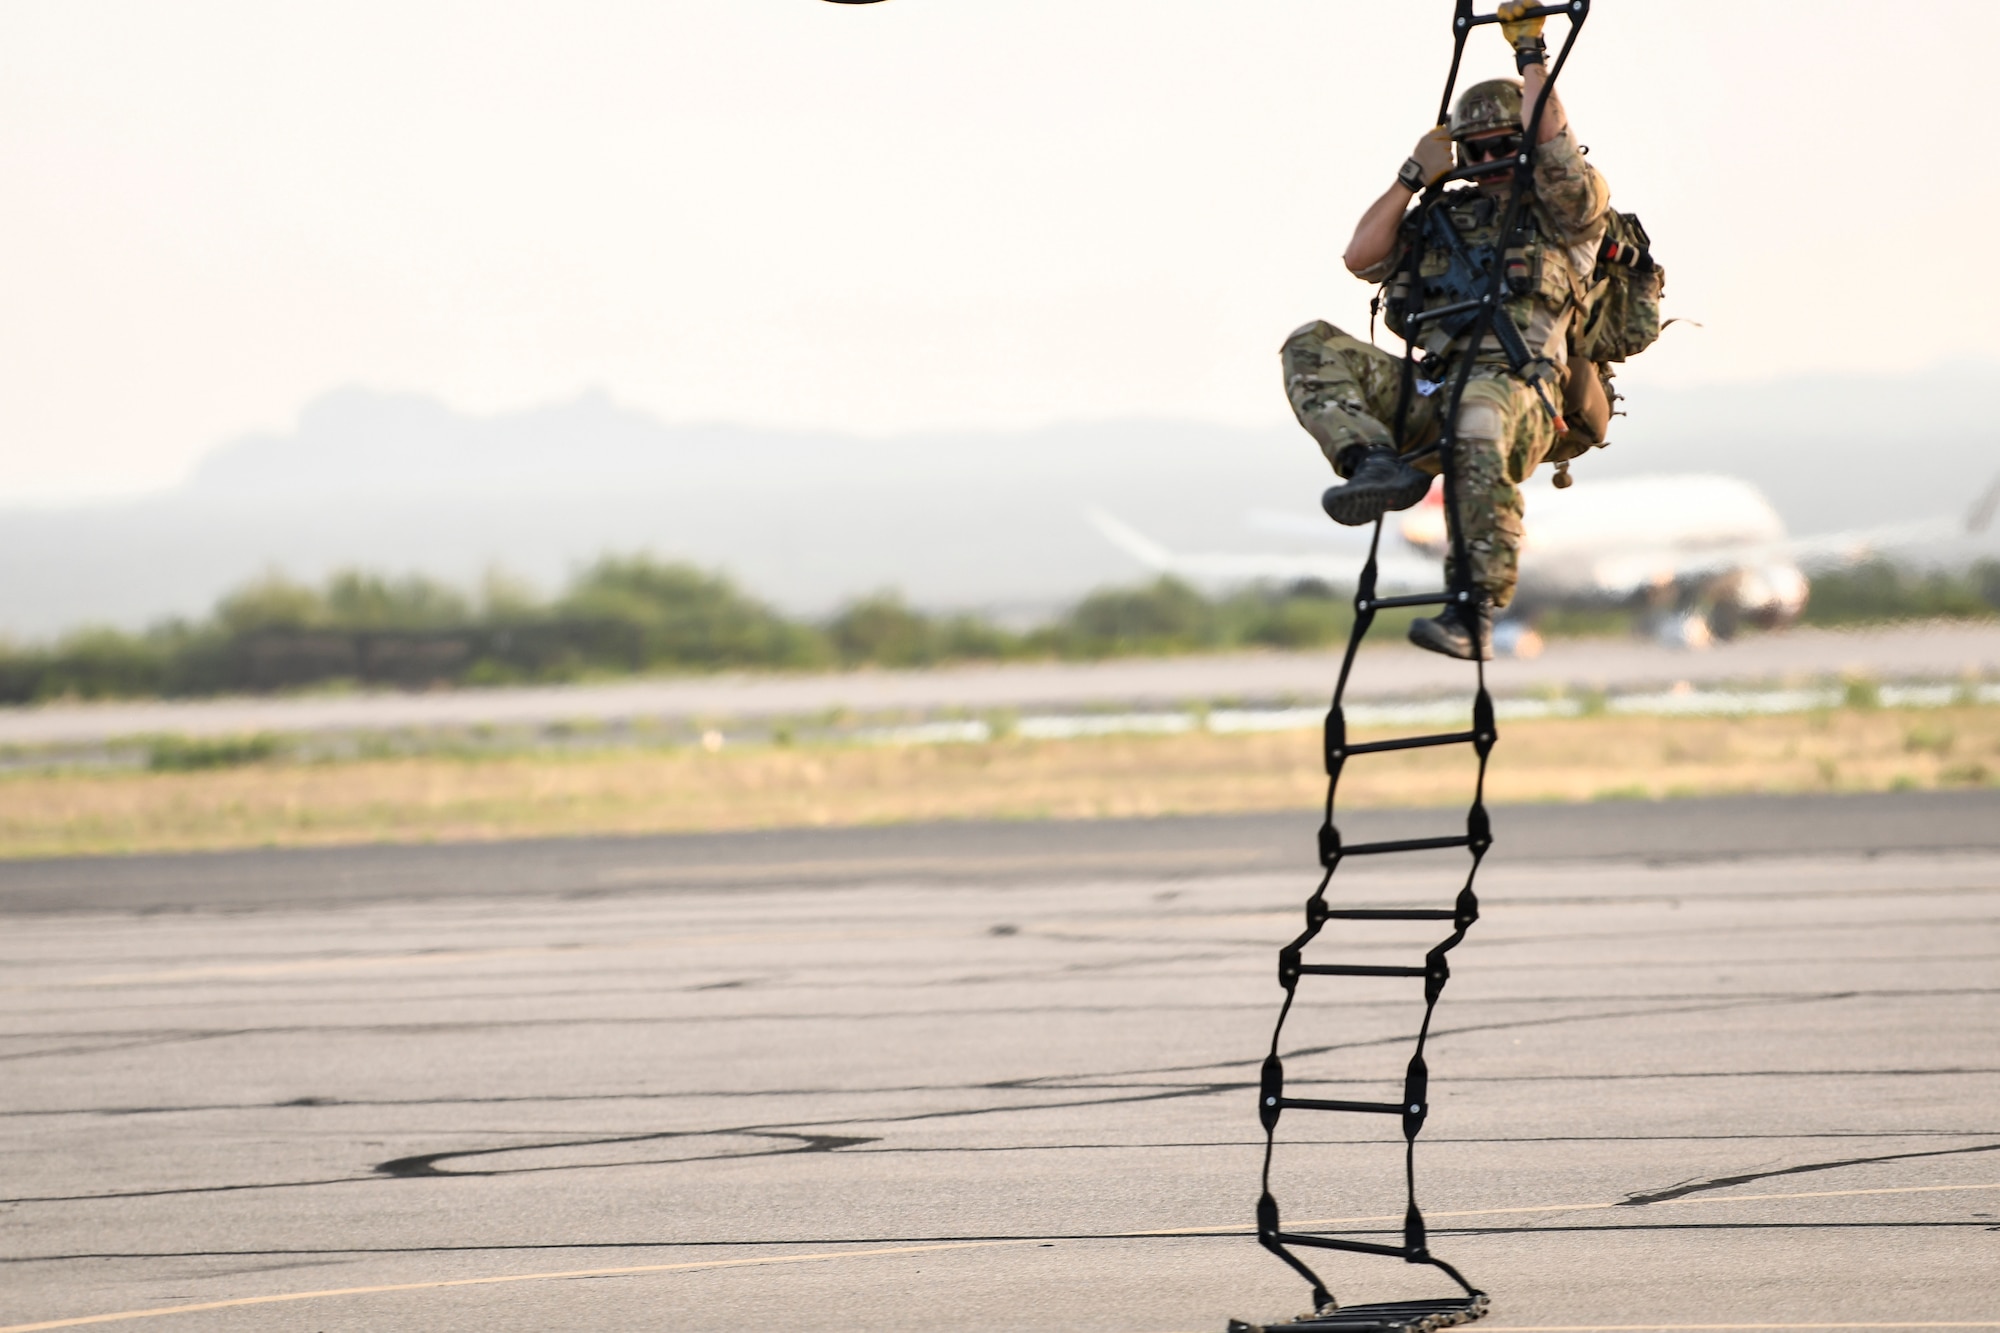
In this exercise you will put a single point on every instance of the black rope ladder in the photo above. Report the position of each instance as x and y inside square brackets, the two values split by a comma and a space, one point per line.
[1482, 317]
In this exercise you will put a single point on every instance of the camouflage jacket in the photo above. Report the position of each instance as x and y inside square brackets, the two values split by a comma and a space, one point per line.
[1567, 219]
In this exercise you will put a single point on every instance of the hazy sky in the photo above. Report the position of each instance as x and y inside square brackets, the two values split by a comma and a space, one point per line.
[911, 214]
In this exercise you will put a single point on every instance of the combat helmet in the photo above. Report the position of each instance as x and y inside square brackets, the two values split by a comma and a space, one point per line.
[1484, 107]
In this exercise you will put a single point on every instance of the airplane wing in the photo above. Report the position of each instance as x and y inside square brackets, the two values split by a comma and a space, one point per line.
[1832, 549]
[1394, 572]
[1826, 549]
[1839, 548]
[1616, 567]
[1619, 560]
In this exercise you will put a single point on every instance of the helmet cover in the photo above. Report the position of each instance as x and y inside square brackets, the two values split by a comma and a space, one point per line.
[1484, 107]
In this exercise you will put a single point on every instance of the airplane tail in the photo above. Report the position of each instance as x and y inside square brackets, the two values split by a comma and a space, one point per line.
[1980, 516]
[1131, 541]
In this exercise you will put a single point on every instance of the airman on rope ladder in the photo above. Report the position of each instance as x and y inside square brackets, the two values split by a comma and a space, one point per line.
[1457, 307]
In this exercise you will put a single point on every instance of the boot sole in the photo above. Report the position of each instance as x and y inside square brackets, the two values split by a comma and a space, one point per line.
[1425, 635]
[1353, 507]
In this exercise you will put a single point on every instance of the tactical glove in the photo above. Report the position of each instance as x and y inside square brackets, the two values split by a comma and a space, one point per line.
[1430, 159]
[1520, 32]
[1525, 35]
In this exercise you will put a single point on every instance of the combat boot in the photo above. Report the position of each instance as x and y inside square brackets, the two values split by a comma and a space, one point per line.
[1377, 482]
[1457, 631]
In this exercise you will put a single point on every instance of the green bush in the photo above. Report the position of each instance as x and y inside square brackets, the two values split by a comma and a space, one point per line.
[882, 630]
[179, 754]
[1304, 616]
[1884, 590]
[628, 613]
[89, 664]
[272, 602]
[1163, 616]
[971, 638]
[358, 601]
[649, 613]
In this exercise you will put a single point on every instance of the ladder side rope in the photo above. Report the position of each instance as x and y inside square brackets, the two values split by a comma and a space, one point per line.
[1477, 838]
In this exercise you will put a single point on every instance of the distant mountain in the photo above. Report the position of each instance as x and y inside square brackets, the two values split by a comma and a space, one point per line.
[1837, 451]
[399, 482]
[954, 519]
[353, 441]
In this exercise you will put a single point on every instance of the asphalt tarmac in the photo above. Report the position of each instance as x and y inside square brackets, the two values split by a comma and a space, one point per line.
[1715, 1064]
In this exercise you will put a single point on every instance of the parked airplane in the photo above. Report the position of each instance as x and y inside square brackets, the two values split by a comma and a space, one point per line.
[1698, 556]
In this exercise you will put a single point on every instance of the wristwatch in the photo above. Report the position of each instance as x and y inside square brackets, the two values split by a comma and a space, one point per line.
[1411, 177]
[1532, 51]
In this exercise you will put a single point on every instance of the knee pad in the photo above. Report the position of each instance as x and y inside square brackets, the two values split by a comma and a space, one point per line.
[1480, 420]
[1317, 330]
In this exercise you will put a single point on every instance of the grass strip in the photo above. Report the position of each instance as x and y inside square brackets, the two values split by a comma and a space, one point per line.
[442, 798]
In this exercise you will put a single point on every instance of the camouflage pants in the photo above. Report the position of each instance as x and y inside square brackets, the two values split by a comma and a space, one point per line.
[1343, 392]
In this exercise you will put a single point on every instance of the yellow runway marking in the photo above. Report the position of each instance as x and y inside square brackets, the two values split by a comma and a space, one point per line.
[1223, 1230]
[82, 1320]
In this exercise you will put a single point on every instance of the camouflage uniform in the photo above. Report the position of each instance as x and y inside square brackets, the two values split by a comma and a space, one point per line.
[1343, 390]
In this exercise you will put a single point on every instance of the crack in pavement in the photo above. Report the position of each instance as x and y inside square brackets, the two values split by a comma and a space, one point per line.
[154, 1039]
[1732, 1001]
[1040, 1083]
[1724, 1182]
[809, 1132]
[1227, 1232]
[425, 1164]
[419, 1165]
[1135, 1094]
[1388, 1080]
[1437, 1034]
[170, 1036]
[795, 1128]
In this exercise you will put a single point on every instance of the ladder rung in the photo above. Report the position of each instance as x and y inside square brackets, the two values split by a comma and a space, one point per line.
[1537, 12]
[1365, 1108]
[1409, 743]
[1392, 914]
[1409, 599]
[1479, 169]
[1359, 969]
[1406, 845]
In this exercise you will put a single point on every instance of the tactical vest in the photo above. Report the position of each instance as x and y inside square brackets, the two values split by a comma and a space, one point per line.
[1457, 243]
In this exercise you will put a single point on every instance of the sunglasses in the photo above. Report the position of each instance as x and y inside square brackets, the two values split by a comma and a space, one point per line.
[1479, 150]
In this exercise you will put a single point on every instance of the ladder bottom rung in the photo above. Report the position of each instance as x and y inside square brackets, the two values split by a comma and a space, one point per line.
[1386, 1317]
[1392, 914]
